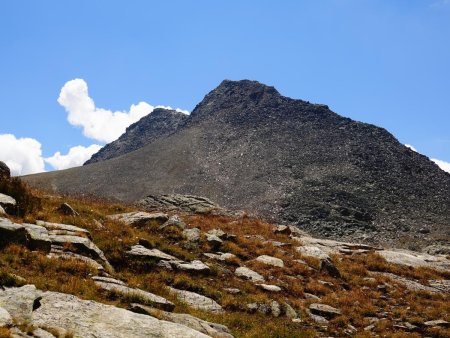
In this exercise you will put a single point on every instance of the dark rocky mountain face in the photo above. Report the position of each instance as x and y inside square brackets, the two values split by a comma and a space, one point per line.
[247, 147]
[160, 123]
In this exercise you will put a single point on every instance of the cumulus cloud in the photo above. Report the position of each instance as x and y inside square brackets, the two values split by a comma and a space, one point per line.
[442, 164]
[22, 155]
[74, 158]
[99, 124]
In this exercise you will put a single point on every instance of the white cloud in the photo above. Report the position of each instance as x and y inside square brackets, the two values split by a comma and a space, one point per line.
[22, 155]
[100, 124]
[411, 147]
[74, 158]
[442, 164]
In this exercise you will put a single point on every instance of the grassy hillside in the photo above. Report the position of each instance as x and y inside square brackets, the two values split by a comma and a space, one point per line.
[357, 292]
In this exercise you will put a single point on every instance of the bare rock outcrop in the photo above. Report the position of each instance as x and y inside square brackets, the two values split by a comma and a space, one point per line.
[140, 218]
[246, 273]
[213, 329]
[197, 301]
[57, 240]
[147, 298]
[69, 315]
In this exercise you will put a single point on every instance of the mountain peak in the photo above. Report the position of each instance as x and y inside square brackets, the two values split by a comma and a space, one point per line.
[242, 89]
[160, 122]
[238, 94]
[245, 86]
[245, 145]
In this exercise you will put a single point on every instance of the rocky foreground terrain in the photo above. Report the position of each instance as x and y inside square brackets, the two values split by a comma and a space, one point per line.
[189, 268]
[246, 147]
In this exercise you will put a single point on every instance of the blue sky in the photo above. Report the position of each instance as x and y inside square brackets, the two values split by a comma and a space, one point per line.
[382, 62]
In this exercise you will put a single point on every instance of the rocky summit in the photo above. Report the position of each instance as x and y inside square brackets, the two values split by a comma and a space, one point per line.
[247, 147]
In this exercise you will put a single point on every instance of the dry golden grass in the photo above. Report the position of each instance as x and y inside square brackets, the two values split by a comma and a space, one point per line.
[5, 332]
[115, 238]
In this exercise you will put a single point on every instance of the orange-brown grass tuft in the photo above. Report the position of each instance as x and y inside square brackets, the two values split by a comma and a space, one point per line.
[5, 332]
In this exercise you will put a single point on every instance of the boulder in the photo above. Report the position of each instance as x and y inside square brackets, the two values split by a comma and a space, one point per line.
[269, 260]
[218, 232]
[11, 233]
[174, 220]
[252, 307]
[165, 265]
[66, 209]
[415, 259]
[188, 203]
[331, 247]
[83, 246]
[215, 241]
[405, 326]
[63, 229]
[5, 172]
[324, 310]
[288, 230]
[19, 302]
[58, 252]
[437, 323]
[369, 328]
[194, 266]
[155, 254]
[197, 301]
[270, 288]
[311, 297]
[5, 318]
[312, 251]
[327, 284]
[442, 285]
[7, 203]
[328, 266]
[144, 297]
[318, 319]
[220, 256]
[212, 329]
[69, 315]
[139, 218]
[410, 284]
[249, 274]
[277, 244]
[191, 235]
[275, 308]
[282, 229]
[290, 312]
[33, 236]
[37, 238]
[233, 291]
[108, 280]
